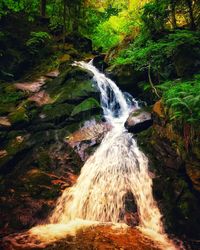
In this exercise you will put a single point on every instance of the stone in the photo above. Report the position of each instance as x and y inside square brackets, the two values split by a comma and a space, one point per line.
[29, 87]
[98, 62]
[88, 136]
[53, 74]
[5, 122]
[88, 237]
[3, 153]
[193, 171]
[41, 98]
[86, 105]
[64, 58]
[138, 121]
[159, 109]
[127, 78]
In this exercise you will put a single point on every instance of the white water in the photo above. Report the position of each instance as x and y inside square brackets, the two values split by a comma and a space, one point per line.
[116, 168]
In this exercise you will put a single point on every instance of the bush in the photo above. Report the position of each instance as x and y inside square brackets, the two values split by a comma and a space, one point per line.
[37, 41]
[183, 99]
[164, 54]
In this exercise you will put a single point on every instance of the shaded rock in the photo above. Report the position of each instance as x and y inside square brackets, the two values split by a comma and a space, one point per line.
[79, 42]
[86, 105]
[56, 113]
[99, 63]
[126, 77]
[64, 58]
[19, 116]
[193, 171]
[138, 121]
[73, 84]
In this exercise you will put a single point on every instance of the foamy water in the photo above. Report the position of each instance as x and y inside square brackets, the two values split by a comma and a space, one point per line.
[116, 168]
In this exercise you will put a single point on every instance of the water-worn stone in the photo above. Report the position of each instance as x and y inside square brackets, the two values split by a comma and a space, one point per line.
[138, 121]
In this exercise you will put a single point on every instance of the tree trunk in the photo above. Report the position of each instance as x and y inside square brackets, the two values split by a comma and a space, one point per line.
[43, 8]
[64, 20]
[192, 23]
[173, 10]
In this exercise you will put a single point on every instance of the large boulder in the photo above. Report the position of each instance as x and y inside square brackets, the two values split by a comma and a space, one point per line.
[99, 63]
[127, 77]
[138, 121]
[79, 42]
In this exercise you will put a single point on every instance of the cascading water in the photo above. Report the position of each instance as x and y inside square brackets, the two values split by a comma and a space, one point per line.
[116, 168]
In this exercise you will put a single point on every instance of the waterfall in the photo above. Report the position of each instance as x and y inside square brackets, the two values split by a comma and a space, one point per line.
[116, 168]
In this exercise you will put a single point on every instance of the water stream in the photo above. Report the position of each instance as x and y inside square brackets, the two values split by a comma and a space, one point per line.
[117, 168]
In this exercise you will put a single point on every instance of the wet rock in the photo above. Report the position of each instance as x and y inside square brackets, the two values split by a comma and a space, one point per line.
[87, 105]
[89, 237]
[126, 77]
[138, 121]
[87, 137]
[99, 63]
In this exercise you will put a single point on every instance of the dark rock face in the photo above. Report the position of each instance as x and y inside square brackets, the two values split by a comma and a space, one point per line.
[127, 77]
[99, 62]
[138, 121]
[36, 163]
[176, 182]
[80, 43]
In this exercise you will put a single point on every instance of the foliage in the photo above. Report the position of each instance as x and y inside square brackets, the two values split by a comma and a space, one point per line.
[155, 16]
[113, 30]
[160, 54]
[183, 99]
[37, 41]
[29, 7]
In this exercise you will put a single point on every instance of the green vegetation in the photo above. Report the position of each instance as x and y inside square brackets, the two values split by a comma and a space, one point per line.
[183, 98]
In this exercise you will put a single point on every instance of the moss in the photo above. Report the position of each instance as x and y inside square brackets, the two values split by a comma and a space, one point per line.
[73, 91]
[56, 112]
[43, 160]
[19, 116]
[86, 105]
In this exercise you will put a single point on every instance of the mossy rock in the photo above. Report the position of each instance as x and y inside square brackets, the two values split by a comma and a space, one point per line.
[43, 160]
[74, 91]
[6, 108]
[86, 105]
[15, 148]
[71, 72]
[19, 116]
[56, 112]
